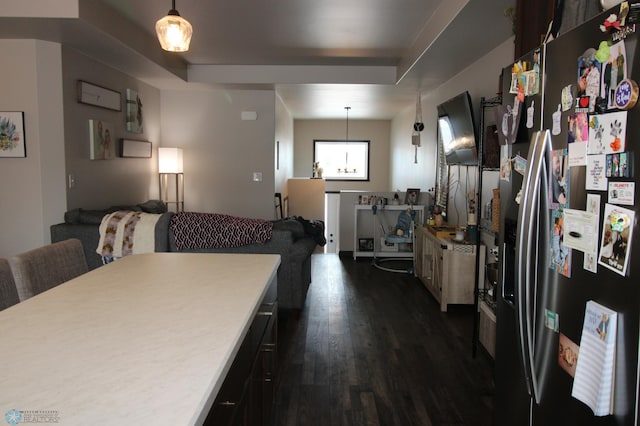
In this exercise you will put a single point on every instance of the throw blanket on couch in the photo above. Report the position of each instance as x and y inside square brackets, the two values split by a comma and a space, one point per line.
[212, 230]
[126, 232]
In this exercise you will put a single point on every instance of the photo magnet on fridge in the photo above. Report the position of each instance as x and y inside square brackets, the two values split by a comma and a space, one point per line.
[615, 244]
[567, 355]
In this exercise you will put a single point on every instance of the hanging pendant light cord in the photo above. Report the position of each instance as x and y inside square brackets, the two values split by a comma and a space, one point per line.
[347, 108]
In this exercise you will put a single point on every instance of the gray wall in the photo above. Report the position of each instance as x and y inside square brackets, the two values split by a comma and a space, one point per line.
[120, 181]
[32, 194]
[221, 151]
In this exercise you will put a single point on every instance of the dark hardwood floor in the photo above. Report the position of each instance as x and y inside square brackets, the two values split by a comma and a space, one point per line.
[372, 348]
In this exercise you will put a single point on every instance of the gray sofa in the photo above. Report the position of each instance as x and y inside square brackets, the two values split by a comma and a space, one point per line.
[289, 240]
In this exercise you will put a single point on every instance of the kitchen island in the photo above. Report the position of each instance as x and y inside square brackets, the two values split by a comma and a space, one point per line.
[146, 340]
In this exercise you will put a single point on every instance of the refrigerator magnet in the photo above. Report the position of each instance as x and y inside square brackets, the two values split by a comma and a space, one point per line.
[626, 94]
[556, 117]
[615, 71]
[622, 193]
[551, 320]
[568, 355]
[560, 254]
[530, 114]
[559, 180]
[591, 259]
[607, 133]
[567, 97]
[578, 138]
[519, 164]
[581, 230]
[616, 238]
[596, 173]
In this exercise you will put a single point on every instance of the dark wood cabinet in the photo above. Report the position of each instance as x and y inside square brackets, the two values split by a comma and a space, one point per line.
[247, 394]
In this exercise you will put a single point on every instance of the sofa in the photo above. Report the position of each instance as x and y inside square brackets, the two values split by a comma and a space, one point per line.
[291, 238]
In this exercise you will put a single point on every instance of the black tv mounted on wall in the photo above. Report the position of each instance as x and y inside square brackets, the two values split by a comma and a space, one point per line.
[456, 130]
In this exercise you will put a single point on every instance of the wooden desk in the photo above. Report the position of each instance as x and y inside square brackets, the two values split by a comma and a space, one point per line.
[146, 340]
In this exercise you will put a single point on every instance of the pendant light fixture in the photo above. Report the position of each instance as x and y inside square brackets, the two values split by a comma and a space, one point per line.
[174, 32]
[346, 153]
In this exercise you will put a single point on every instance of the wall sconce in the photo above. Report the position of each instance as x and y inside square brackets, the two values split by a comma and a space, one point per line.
[170, 166]
[174, 32]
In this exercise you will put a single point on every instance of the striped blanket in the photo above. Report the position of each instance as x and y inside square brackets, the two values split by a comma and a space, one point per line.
[126, 232]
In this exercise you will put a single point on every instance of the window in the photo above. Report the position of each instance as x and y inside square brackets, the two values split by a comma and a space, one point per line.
[342, 160]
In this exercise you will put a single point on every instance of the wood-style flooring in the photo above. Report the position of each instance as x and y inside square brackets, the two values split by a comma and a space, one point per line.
[372, 348]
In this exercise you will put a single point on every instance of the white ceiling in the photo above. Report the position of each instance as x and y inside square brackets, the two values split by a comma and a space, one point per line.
[320, 56]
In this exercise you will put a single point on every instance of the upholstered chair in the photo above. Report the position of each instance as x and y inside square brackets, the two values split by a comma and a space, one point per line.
[46, 267]
[8, 291]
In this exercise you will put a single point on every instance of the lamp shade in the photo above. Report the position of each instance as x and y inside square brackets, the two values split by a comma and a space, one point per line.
[170, 160]
[174, 32]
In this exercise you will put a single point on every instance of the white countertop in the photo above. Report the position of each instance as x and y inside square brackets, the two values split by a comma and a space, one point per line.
[145, 340]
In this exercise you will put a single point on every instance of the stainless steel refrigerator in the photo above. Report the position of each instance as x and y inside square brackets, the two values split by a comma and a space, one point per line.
[543, 289]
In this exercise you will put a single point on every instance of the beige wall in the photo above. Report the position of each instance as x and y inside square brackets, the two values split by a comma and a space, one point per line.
[32, 195]
[376, 131]
[221, 151]
[120, 181]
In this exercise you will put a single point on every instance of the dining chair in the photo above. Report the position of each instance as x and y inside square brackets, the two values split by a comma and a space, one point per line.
[46, 267]
[8, 290]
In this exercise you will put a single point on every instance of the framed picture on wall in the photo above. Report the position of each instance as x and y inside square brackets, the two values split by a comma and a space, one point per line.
[134, 112]
[92, 94]
[135, 149]
[102, 145]
[12, 142]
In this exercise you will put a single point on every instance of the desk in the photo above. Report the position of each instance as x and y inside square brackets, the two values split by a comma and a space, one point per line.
[366, 228]
[145, 340]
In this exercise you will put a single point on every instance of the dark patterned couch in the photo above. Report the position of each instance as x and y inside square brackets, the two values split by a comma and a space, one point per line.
[288, 239]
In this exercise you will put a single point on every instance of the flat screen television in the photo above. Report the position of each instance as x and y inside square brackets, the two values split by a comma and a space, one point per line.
[456, 130]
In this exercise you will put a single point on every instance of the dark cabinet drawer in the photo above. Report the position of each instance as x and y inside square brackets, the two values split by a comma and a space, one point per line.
[247, 393]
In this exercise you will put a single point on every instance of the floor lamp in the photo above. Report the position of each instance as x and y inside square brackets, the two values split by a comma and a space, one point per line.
[171, 177]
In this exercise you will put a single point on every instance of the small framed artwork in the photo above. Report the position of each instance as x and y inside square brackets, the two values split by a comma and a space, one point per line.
[12, 142]
[412, 196]
[101, 140]
[134, 112]
[92, 94]
[135, 149]
[365, 244]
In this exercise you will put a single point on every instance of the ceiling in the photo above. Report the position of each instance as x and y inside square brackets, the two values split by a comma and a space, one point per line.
[320, 56]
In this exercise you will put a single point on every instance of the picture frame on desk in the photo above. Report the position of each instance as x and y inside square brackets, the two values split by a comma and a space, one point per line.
[412, 196]
[365, 244]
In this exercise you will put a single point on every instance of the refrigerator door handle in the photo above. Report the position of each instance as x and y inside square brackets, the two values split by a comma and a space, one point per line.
[535, 174]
